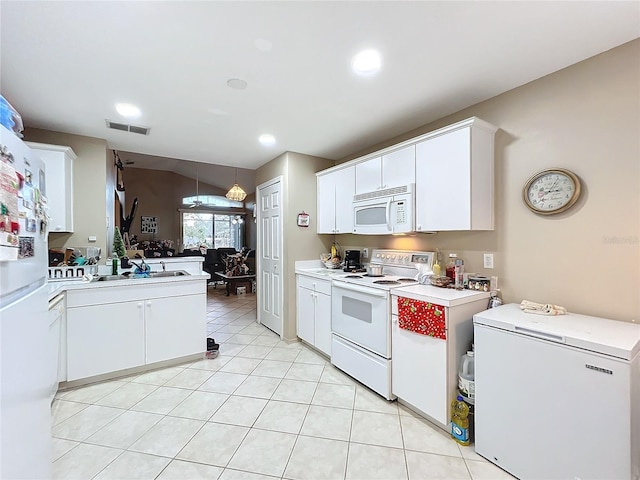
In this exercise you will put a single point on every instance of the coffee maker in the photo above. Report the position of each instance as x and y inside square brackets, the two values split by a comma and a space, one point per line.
[352, 260]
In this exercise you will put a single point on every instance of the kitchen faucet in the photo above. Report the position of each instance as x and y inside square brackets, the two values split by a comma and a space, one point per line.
[164, 267]
[142, 268]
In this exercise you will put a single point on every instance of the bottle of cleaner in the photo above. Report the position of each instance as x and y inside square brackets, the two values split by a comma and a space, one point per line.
[466, 376]
[436, 264]
[460, 421]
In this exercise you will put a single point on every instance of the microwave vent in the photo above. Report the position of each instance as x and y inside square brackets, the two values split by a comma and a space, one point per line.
[387, 192]
[128, 128]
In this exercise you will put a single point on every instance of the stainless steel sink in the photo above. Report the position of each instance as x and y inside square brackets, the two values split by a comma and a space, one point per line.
[131, 276]
[108, 278]
[174, 273]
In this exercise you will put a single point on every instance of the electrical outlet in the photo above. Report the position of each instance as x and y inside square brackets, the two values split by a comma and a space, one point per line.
[365, 253]
[488, 260]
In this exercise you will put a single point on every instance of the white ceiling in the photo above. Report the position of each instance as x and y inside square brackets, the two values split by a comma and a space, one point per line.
[66, 64]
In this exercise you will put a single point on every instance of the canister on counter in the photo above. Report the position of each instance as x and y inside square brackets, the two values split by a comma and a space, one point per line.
[479, 283]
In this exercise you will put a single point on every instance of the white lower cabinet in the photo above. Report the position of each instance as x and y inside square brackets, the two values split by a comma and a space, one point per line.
[173, 327]
[104, 338]
[313, 312]
[116, 328]
[425, 369]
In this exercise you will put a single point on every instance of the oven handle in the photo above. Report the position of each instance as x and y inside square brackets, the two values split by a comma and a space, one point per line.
[354, 288]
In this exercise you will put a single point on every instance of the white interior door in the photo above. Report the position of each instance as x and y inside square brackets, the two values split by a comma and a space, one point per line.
[270, 298]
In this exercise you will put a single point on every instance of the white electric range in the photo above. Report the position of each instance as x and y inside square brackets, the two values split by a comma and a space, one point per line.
[361, 316]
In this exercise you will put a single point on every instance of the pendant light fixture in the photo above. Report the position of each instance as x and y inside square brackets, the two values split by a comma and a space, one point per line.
[236, 193]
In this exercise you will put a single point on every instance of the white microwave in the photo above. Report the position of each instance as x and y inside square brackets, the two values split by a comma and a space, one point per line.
[384, 211]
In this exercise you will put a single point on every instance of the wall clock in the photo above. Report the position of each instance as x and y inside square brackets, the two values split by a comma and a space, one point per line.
[551, 191]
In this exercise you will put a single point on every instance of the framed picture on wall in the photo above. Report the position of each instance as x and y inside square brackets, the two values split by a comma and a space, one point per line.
[303, 219]
[149, 225]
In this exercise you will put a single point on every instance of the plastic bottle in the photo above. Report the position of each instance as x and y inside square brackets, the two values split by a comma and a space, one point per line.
[451, 266]
[436, 264]
[460, 421]
[466, 376]
[458, 273]
[494, 299]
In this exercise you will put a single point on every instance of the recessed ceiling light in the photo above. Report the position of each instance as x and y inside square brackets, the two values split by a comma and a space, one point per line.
[367, 62]
[127, 110]
[267, 140]
[237, 83]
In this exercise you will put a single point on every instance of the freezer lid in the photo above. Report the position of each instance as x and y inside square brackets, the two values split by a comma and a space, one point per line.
[601, 335]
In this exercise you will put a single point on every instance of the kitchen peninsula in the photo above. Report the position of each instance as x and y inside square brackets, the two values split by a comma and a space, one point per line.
[118, 327]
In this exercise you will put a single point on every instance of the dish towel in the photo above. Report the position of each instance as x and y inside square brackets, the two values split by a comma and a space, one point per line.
[421, 317]
[542, 309]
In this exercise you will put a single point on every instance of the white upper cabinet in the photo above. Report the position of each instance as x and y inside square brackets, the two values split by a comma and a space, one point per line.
[389, 170]
[335, 198]
[399, 167]
[369, 175]
[452, 169]
[59, 180]
[454, 178]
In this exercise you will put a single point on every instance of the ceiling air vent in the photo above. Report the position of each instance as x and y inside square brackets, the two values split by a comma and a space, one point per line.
[128, 128]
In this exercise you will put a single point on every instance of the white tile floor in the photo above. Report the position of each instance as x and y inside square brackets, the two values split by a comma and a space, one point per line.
[263, 409]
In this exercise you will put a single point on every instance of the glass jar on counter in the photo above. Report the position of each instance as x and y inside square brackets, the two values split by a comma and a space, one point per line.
[450, 271]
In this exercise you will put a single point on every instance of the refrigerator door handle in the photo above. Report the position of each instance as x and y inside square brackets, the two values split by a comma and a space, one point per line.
[545, 336]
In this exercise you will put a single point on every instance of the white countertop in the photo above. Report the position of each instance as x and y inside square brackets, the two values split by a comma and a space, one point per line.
[55, 288]
[315, 268]
[447, 297]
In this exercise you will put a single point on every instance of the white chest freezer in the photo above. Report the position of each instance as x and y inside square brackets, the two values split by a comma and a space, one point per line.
[557, 397]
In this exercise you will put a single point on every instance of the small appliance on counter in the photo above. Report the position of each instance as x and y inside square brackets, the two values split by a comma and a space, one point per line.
[352, 260]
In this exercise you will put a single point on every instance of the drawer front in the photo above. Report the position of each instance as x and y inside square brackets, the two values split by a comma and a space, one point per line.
[125, 293]
[315, 284]
[370, 369]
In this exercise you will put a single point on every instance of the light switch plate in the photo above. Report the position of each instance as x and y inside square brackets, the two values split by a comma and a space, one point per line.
[365, 253]
[488, 260]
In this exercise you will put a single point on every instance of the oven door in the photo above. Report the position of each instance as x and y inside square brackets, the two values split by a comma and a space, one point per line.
[362, 315]
[372, 217]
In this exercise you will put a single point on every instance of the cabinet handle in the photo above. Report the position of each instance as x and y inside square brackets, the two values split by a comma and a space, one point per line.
[139, 304]
[148, 304]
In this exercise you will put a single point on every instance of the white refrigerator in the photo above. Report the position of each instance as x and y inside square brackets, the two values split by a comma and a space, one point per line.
[557, 397]
[25, 409]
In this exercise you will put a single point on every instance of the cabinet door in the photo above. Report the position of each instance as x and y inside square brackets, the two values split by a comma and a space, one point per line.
[104, 338]
[323, 323]
[419, 371]
[175, 327]
[59, 182]
[399, 167]
[305, 315]
[326, 203]
[443, 182]
[369, 175]
[345, 189]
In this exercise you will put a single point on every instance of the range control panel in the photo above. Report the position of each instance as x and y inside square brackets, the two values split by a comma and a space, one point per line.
[401, 257]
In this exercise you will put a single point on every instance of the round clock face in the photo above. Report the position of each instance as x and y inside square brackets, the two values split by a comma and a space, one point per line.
[551, 191]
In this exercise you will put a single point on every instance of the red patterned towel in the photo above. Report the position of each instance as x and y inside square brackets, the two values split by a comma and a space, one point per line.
[422, 317]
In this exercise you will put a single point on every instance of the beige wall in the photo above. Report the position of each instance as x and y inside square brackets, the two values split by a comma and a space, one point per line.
[585, 118]
[92, 190]
[299, 243]
[160, 194]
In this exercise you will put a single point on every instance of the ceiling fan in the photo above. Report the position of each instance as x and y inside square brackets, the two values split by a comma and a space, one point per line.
[197, 202]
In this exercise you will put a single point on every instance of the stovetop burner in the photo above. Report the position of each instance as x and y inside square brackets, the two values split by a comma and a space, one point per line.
[375, 276]
[387, 282]
[353, 276]
[407, 280]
